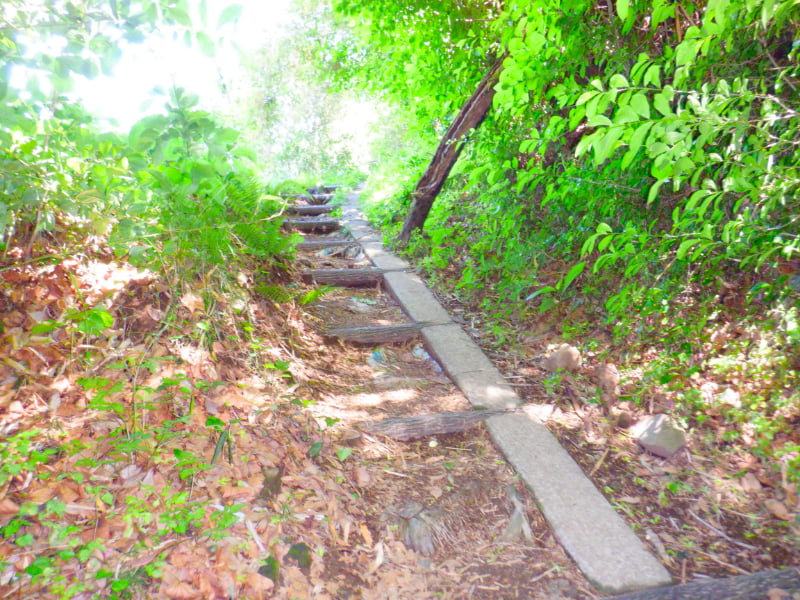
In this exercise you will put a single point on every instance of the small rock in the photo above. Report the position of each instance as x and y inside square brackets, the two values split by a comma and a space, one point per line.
[357, 306]
[730, 397]
[565, 357]
[659, 435]
[778, 509]
[624, 420]
[608, 380]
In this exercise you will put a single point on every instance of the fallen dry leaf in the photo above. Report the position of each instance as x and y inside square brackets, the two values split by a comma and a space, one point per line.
[193, 301]
[777, 508]
[181, 591]
[750, 483]
[361, 476]
[8, 507]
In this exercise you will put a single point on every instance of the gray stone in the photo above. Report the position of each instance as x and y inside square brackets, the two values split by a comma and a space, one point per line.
[486, 389]
[456, 351]
[417, 300]
[659, 435]
[565, 357]
[597, 538]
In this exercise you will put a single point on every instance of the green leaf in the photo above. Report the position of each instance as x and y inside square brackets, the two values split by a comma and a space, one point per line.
[636, 141]
[92, 321]
[586, 142]
[215, 422]
[625, 114]
[618, 81]
[230, 14]
[640, 104]
[623, 7]
[206, 43]
[686, 52]
[571, 275]
[545, 290]
[653, 193]
[661, 104]
[585, 97]
[45, 327]
[599, 121]
[607, 145]
[315, 449]
[684, 248]
[653, 76]
[343, 453]
[180, 15]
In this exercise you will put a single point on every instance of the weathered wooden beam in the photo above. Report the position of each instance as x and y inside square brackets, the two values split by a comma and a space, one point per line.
[314, 225]
[756, 586]
[321, 198]
[320, 244]
[410, 428]
[376, 335]
[344, 277]
[314, 209]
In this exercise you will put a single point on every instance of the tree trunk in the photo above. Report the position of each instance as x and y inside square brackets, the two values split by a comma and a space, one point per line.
[469, 117]
[757, 586]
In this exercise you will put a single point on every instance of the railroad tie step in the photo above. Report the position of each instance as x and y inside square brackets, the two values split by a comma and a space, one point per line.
[322, 244]
[344, 277]
[313, 210]
[377, 334]
[313, 225]
[321, 198]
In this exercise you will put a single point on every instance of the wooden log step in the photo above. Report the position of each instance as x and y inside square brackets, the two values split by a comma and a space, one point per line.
[377, 335]
[344, 277]
[411, 428]
[320, 244]
[321, 198]
[313, 210]
[323, 189]
[755, 586]
[314, 225]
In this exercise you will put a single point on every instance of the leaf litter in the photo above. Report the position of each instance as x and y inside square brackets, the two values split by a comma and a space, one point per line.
[168, 440]
[715, 509]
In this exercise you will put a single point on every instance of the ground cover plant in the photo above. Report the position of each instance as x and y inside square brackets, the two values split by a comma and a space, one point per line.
[632, 190]
[172, 423]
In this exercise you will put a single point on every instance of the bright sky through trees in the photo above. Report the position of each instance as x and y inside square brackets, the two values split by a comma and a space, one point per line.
[162, 61]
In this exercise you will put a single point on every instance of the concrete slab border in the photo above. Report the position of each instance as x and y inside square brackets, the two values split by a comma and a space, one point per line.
[608, 552]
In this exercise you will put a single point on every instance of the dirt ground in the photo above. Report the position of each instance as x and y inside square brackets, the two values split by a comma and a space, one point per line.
[460, 474]
[322, 508]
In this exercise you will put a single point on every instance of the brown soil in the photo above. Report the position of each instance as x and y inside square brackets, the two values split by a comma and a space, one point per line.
[400, 380]
[316, 499]
[707, 511]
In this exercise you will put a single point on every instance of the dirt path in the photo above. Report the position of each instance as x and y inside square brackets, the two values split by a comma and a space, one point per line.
[460, 481]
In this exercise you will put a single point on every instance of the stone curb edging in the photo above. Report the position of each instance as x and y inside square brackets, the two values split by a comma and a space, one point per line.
[611, 556]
